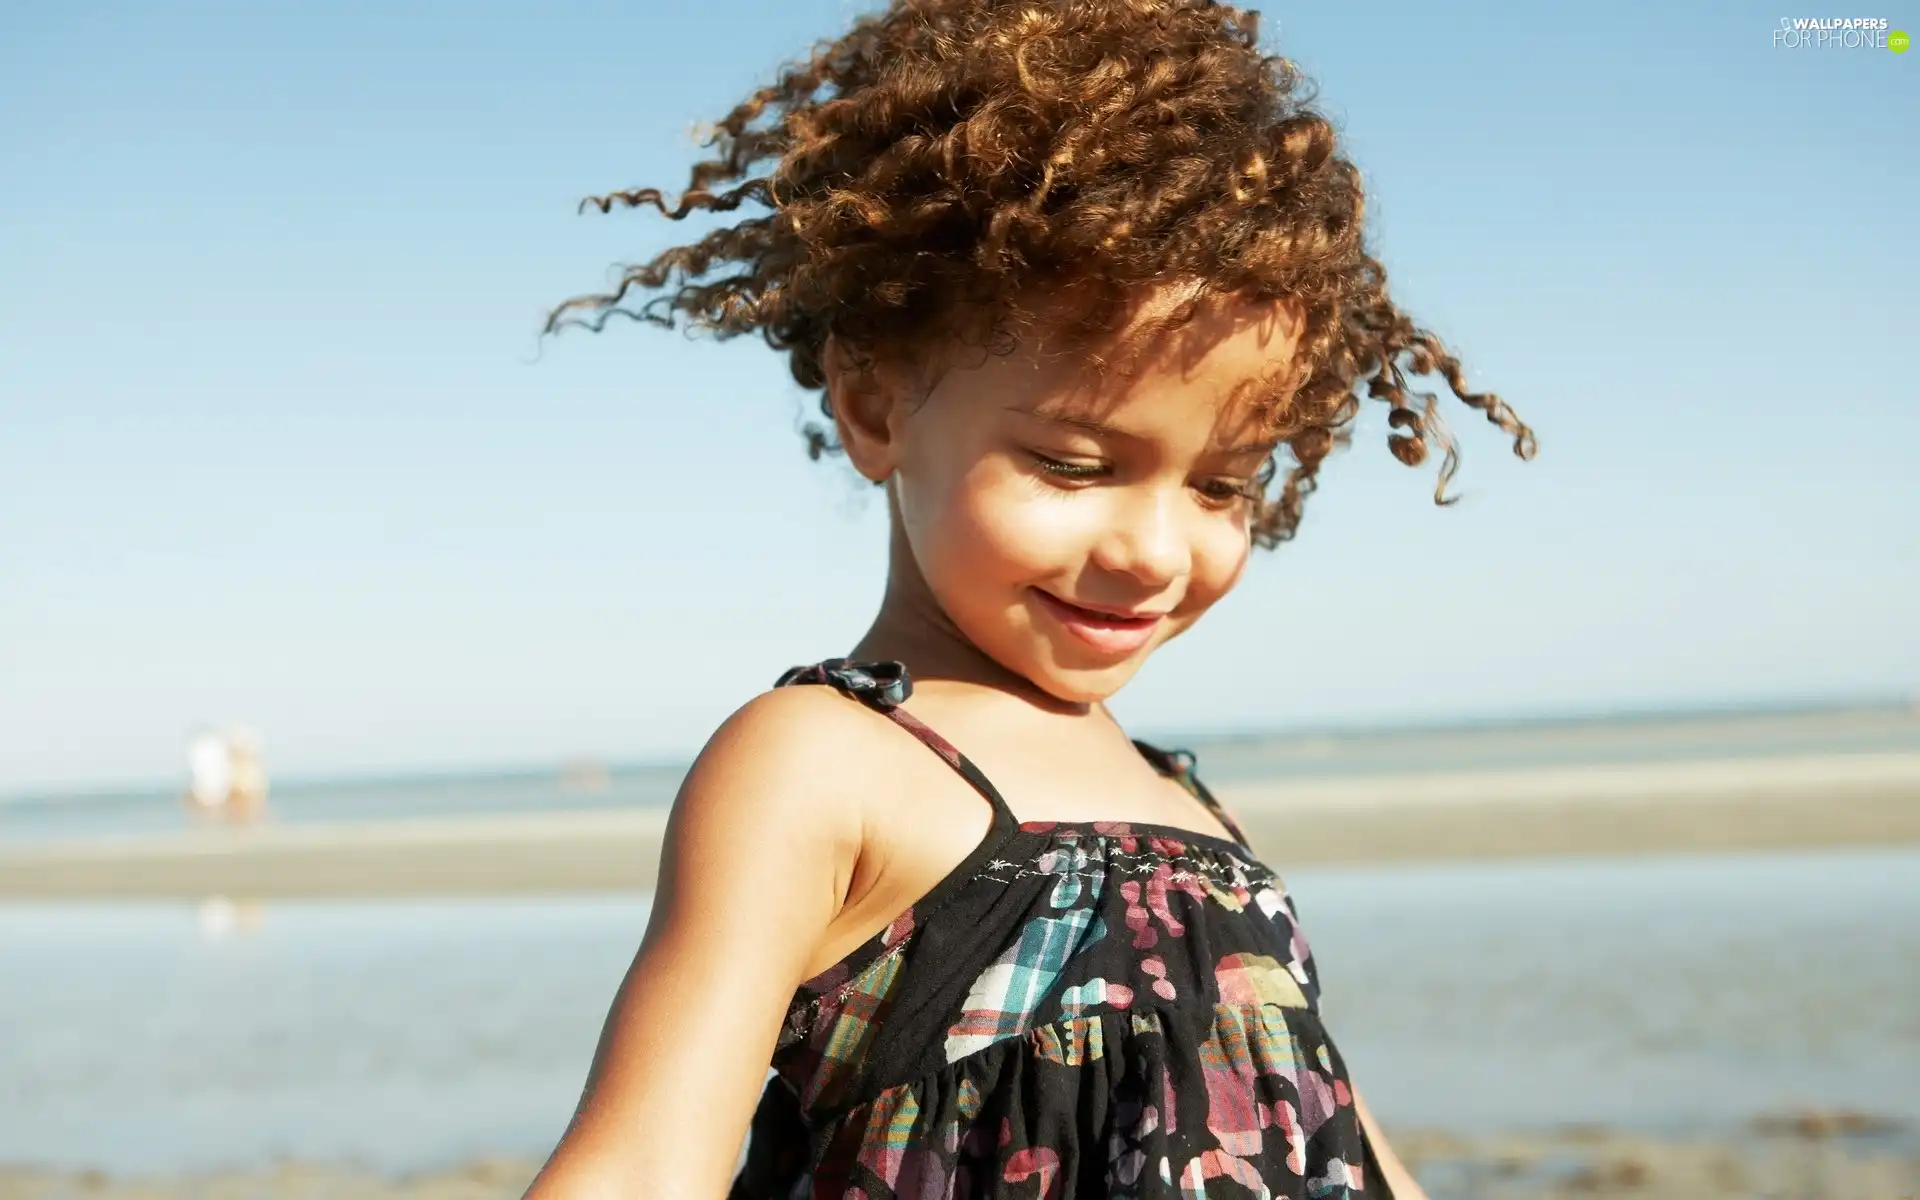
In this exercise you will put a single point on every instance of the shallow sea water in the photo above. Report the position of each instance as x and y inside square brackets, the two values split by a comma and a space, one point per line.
[1685, 996]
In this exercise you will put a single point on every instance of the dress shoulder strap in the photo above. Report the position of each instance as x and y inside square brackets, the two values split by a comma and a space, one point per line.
[884, 686]
[1178, 765]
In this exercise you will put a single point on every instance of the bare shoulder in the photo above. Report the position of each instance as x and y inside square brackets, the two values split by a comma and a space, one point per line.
[804, 724]
[783, 762]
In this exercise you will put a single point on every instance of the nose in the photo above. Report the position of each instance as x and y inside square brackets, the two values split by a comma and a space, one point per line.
[1145, 539]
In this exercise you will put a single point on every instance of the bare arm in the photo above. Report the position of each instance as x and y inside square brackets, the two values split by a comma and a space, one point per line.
[1400, 1181]
[751, 875]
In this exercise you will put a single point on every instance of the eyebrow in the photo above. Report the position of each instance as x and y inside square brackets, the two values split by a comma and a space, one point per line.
[1102, 429]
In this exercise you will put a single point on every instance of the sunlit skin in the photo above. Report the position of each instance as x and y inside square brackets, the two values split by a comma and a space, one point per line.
[1051, 529]
[1026, 490]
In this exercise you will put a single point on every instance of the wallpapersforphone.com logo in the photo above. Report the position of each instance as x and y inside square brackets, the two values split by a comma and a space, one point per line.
[1840, 33]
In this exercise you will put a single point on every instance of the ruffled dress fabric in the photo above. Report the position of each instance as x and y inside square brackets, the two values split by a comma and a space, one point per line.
[1077, 1010]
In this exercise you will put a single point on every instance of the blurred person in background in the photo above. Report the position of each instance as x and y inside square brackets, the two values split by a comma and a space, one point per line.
[209, 774]
[226, 779]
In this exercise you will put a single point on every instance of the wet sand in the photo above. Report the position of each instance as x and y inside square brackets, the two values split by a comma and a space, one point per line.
[1747, 804]
[1811, 1157]
[484, 1179]
[1829, 1162]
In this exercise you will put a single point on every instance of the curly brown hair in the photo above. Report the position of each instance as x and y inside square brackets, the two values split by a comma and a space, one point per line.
[969, 155]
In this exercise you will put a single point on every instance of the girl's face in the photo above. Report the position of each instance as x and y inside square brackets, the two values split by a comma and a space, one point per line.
[1068, 526]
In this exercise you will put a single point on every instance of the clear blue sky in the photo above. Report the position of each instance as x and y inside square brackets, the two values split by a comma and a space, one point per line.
[278, 442]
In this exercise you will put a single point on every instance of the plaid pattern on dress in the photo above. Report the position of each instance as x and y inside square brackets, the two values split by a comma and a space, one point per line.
[1005, 996]
[890, 1128]
[840, 1041]
[1071, 1043]
[1093, 1008]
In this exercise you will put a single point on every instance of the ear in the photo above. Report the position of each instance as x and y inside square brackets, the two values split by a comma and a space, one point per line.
[866, 405]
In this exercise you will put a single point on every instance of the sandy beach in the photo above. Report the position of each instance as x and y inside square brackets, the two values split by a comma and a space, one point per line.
[1813, 1156]
[1615, 810]
[1732, 805]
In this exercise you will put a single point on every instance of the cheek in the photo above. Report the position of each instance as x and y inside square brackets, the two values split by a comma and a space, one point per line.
[1220, 552]
[983, 531]
[989, 524]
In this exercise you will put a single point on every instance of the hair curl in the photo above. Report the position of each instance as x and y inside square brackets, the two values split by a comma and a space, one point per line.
[971, 154]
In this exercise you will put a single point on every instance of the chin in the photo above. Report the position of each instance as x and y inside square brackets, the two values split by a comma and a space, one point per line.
[1062, 666]
[1083, 684]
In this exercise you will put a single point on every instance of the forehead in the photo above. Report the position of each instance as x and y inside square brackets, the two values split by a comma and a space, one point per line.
[1229, 359]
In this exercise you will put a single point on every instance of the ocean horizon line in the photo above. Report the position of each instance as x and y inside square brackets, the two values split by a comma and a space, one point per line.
[1615, 717]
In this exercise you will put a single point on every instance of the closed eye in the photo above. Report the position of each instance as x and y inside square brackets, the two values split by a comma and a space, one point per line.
[1224, 492]
[1068, 470]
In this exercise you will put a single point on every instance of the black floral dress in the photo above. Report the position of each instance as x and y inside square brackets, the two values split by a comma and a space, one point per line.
[1078, 1010]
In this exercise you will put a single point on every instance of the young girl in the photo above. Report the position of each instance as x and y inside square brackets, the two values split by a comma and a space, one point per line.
[1072, 275]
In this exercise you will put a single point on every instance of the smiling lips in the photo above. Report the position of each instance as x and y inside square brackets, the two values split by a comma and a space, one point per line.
[1115, 633]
